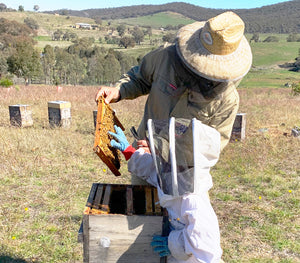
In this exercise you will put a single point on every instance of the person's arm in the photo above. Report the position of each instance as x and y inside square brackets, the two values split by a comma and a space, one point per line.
[138, 81]
[225, 116]
[200, 236]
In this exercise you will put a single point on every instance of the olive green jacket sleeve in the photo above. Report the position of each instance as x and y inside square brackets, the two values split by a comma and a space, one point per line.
[224, 117]
[138, 80]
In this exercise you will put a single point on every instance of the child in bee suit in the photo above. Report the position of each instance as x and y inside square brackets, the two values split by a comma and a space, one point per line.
[182, 153]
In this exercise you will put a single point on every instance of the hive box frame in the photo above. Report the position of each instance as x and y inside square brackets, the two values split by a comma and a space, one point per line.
[109, 155]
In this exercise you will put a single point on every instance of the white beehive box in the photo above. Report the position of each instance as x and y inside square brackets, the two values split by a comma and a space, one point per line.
[59, 113]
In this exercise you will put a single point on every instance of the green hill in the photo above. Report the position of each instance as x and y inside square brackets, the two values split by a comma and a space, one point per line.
[277, 18]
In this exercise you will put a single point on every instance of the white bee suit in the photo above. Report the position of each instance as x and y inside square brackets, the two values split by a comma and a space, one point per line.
[183, 191]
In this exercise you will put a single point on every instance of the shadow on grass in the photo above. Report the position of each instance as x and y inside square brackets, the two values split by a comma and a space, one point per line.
[8, 259]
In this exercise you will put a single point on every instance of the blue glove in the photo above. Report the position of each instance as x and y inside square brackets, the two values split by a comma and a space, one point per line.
[160, 245]
[120, 141]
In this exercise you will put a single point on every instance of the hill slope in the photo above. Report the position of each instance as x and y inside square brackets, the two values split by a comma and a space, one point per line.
[278, 18]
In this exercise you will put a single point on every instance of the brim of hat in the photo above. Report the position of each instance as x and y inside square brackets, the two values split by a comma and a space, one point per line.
[214, 67]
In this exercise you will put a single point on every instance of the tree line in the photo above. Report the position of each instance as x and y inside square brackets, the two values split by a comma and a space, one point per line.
[80, 63]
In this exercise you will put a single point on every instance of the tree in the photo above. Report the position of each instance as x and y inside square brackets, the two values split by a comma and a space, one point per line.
[64, 12]
[149, 31]
[138, 35]
[30, 22]
[95, 68]
[293, 38]
[66, 36]
[25, 62]
[121, 30]
[57, 35]
[127, 42]
[48, 63]
[82, 47]
[69, 68]
[98, 20]
[36, 8]
[126, 61]
[3, 64]
[112, 69]
[2, 7]
[21, 8]
[255, 38]
[77, 70]
[14, 28]
[73, 36]
[169, 37]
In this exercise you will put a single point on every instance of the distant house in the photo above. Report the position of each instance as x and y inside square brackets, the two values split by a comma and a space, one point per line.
[83, 25]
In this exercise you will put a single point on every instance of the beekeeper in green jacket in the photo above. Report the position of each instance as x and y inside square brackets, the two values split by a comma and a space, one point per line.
[196, 77]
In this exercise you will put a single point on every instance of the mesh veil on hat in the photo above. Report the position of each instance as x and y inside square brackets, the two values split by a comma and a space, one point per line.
[216, 49]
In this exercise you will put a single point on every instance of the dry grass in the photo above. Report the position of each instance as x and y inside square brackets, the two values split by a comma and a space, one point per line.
[46, 175]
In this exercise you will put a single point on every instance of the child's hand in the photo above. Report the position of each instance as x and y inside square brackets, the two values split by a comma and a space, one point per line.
[143, 144]
[160, 245]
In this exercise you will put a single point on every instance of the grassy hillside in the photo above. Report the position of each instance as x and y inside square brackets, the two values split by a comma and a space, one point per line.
[47, 23]
[268, 60]
[157, 20]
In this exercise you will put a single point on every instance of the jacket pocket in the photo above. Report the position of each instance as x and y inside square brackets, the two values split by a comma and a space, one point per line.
[170, 88]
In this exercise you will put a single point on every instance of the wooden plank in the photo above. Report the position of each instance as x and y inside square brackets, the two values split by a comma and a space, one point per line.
[86, 238]
[157, 207]
[148, 195]
[129, 200]
[105, 203]
[165, 231]
[90, 199]
[122, 239]
[98, 196]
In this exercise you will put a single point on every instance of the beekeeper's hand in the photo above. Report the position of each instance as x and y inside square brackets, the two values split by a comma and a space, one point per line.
[160, 245]
[119, 142]
[110, 94]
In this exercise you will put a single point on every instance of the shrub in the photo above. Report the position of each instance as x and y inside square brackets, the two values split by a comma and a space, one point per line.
[296, 89]
[5, 82]
[292, 38]
[271, 39]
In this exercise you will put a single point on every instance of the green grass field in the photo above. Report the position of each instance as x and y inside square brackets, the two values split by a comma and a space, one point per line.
[157, 20]
[46, 174]
[269, 54]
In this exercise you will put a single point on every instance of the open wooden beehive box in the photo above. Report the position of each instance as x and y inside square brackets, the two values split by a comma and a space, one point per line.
[106, 119]
[119, 222]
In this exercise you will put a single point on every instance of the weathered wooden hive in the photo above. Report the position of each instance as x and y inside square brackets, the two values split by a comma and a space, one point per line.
[119, 222]
[20, 115]
[59, 113]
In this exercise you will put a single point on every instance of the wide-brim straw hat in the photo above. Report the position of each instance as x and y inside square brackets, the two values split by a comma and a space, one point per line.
[216, 49]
